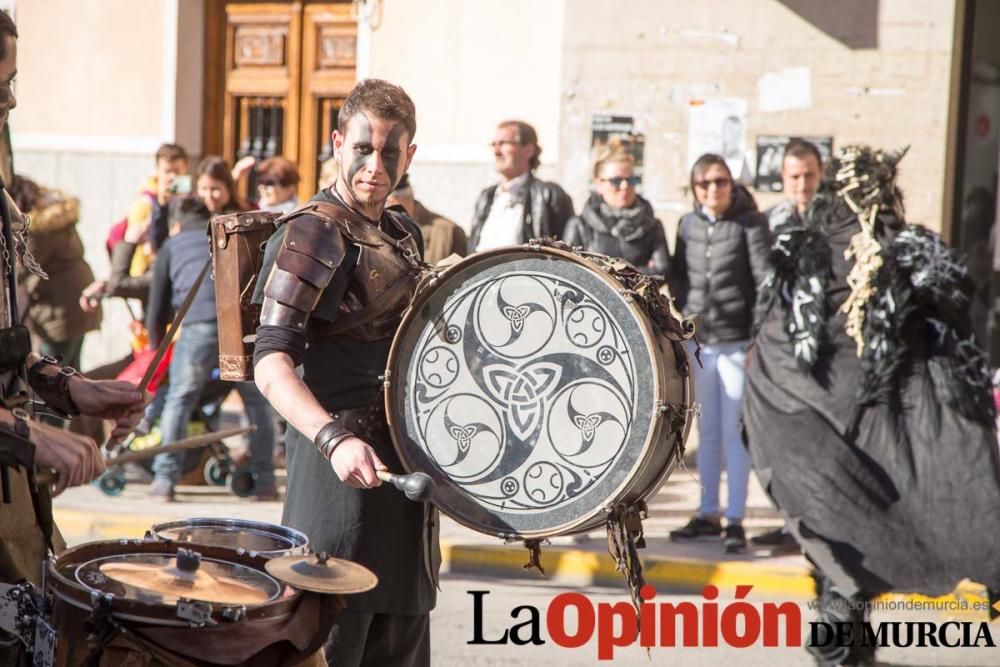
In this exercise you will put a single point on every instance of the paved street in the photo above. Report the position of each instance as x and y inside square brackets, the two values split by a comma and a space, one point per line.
[479, 562]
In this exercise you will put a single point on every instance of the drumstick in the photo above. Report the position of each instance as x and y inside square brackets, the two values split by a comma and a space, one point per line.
[417, 486]
[51, 476]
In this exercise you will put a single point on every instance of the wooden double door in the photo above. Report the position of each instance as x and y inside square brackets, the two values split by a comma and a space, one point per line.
[276, 75]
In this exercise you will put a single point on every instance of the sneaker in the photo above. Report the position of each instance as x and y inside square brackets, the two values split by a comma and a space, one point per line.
[697, 528]
[161, 489]
[734, 540]
[778, 541]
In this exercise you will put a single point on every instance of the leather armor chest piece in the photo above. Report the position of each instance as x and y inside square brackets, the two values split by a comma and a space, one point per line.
[383, 279]
[380, 286]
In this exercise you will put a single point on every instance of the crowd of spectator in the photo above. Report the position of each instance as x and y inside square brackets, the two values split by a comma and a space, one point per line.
[717, 259]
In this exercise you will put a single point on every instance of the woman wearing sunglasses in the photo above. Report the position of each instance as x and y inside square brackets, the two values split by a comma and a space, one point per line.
[719, 259]
[616, 221]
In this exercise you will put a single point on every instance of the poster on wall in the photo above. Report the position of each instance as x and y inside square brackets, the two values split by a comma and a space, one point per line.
[618, 132]
[771, 151]
[719, 126]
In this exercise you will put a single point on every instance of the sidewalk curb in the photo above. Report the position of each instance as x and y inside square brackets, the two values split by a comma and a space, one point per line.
[103, 526]
[592, 568]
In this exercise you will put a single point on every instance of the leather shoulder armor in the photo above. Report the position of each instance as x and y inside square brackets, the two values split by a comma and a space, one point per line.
[311, 250]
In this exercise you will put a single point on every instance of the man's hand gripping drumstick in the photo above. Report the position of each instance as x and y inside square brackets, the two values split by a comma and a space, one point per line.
[353, 460]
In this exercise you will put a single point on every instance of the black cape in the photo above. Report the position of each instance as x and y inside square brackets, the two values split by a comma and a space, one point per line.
[897, 504]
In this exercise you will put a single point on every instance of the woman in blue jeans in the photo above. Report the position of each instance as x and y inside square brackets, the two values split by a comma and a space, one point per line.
[719, 259]
[196, 352]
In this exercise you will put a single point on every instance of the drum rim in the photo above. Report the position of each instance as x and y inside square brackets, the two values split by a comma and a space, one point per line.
[79, 595]
[588, 521]
[301, 539]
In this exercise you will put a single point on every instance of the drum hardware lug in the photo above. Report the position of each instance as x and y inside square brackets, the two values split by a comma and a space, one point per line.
[533, 245]
[194, 612]
[241, 551]
[254, 554]
[234, 614]
[46, 639]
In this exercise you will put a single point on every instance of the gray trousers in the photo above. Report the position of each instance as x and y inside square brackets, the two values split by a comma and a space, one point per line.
[364, 638]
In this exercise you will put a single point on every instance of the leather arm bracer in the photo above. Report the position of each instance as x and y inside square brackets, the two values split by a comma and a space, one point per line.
[50, 380]
[310, 253]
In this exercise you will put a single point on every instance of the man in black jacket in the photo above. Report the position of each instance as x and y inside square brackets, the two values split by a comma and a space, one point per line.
[520, 207]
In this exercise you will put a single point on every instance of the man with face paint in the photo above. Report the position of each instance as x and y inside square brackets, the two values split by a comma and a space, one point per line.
[521, 206]
[340, 271]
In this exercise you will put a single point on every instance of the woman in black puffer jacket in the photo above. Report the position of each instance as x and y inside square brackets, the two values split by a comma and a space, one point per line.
[719, 259]
[616, 221]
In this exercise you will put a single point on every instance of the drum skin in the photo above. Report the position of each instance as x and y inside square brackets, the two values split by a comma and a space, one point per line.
[264, 539]
[530, 385]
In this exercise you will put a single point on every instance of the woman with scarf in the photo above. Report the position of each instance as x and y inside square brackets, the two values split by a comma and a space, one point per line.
[616, 221]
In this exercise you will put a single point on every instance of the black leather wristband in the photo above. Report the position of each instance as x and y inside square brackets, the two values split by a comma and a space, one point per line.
[50, 380]
[330, 435]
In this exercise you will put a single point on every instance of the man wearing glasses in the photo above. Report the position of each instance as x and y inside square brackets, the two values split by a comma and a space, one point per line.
[520, 207]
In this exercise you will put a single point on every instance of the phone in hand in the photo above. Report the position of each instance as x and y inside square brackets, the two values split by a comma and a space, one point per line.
[181, 185]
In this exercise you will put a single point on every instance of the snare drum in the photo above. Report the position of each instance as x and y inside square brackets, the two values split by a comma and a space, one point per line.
[539, 388]
[264, 539]
[124, 600]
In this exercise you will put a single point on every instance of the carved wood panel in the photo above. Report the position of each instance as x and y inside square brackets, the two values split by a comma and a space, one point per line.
[284, 69]
[329, 50]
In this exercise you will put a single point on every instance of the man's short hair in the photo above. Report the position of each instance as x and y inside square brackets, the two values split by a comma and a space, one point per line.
[7, 29]
[171, 152]
[526, 136]
[800, 149]
[381, 99]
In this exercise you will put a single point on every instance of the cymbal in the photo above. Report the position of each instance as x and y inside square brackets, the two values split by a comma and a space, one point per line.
[321, 574]
[201, 586]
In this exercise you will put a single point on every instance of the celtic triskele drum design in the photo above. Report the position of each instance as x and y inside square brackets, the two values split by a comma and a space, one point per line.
[533, 389]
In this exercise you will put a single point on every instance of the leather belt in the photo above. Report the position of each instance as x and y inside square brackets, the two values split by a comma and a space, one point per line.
[368, 423]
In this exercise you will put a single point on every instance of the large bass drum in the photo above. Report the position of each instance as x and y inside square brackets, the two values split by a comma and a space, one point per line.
[539, 388]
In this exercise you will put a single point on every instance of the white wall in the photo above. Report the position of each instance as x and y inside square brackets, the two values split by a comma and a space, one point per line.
[468, 66]
[101, 83]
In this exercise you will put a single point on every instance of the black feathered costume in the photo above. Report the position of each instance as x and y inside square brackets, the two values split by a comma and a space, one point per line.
[868, 410]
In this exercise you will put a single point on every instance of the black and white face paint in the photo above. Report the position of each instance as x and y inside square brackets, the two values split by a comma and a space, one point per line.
[371, 159]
